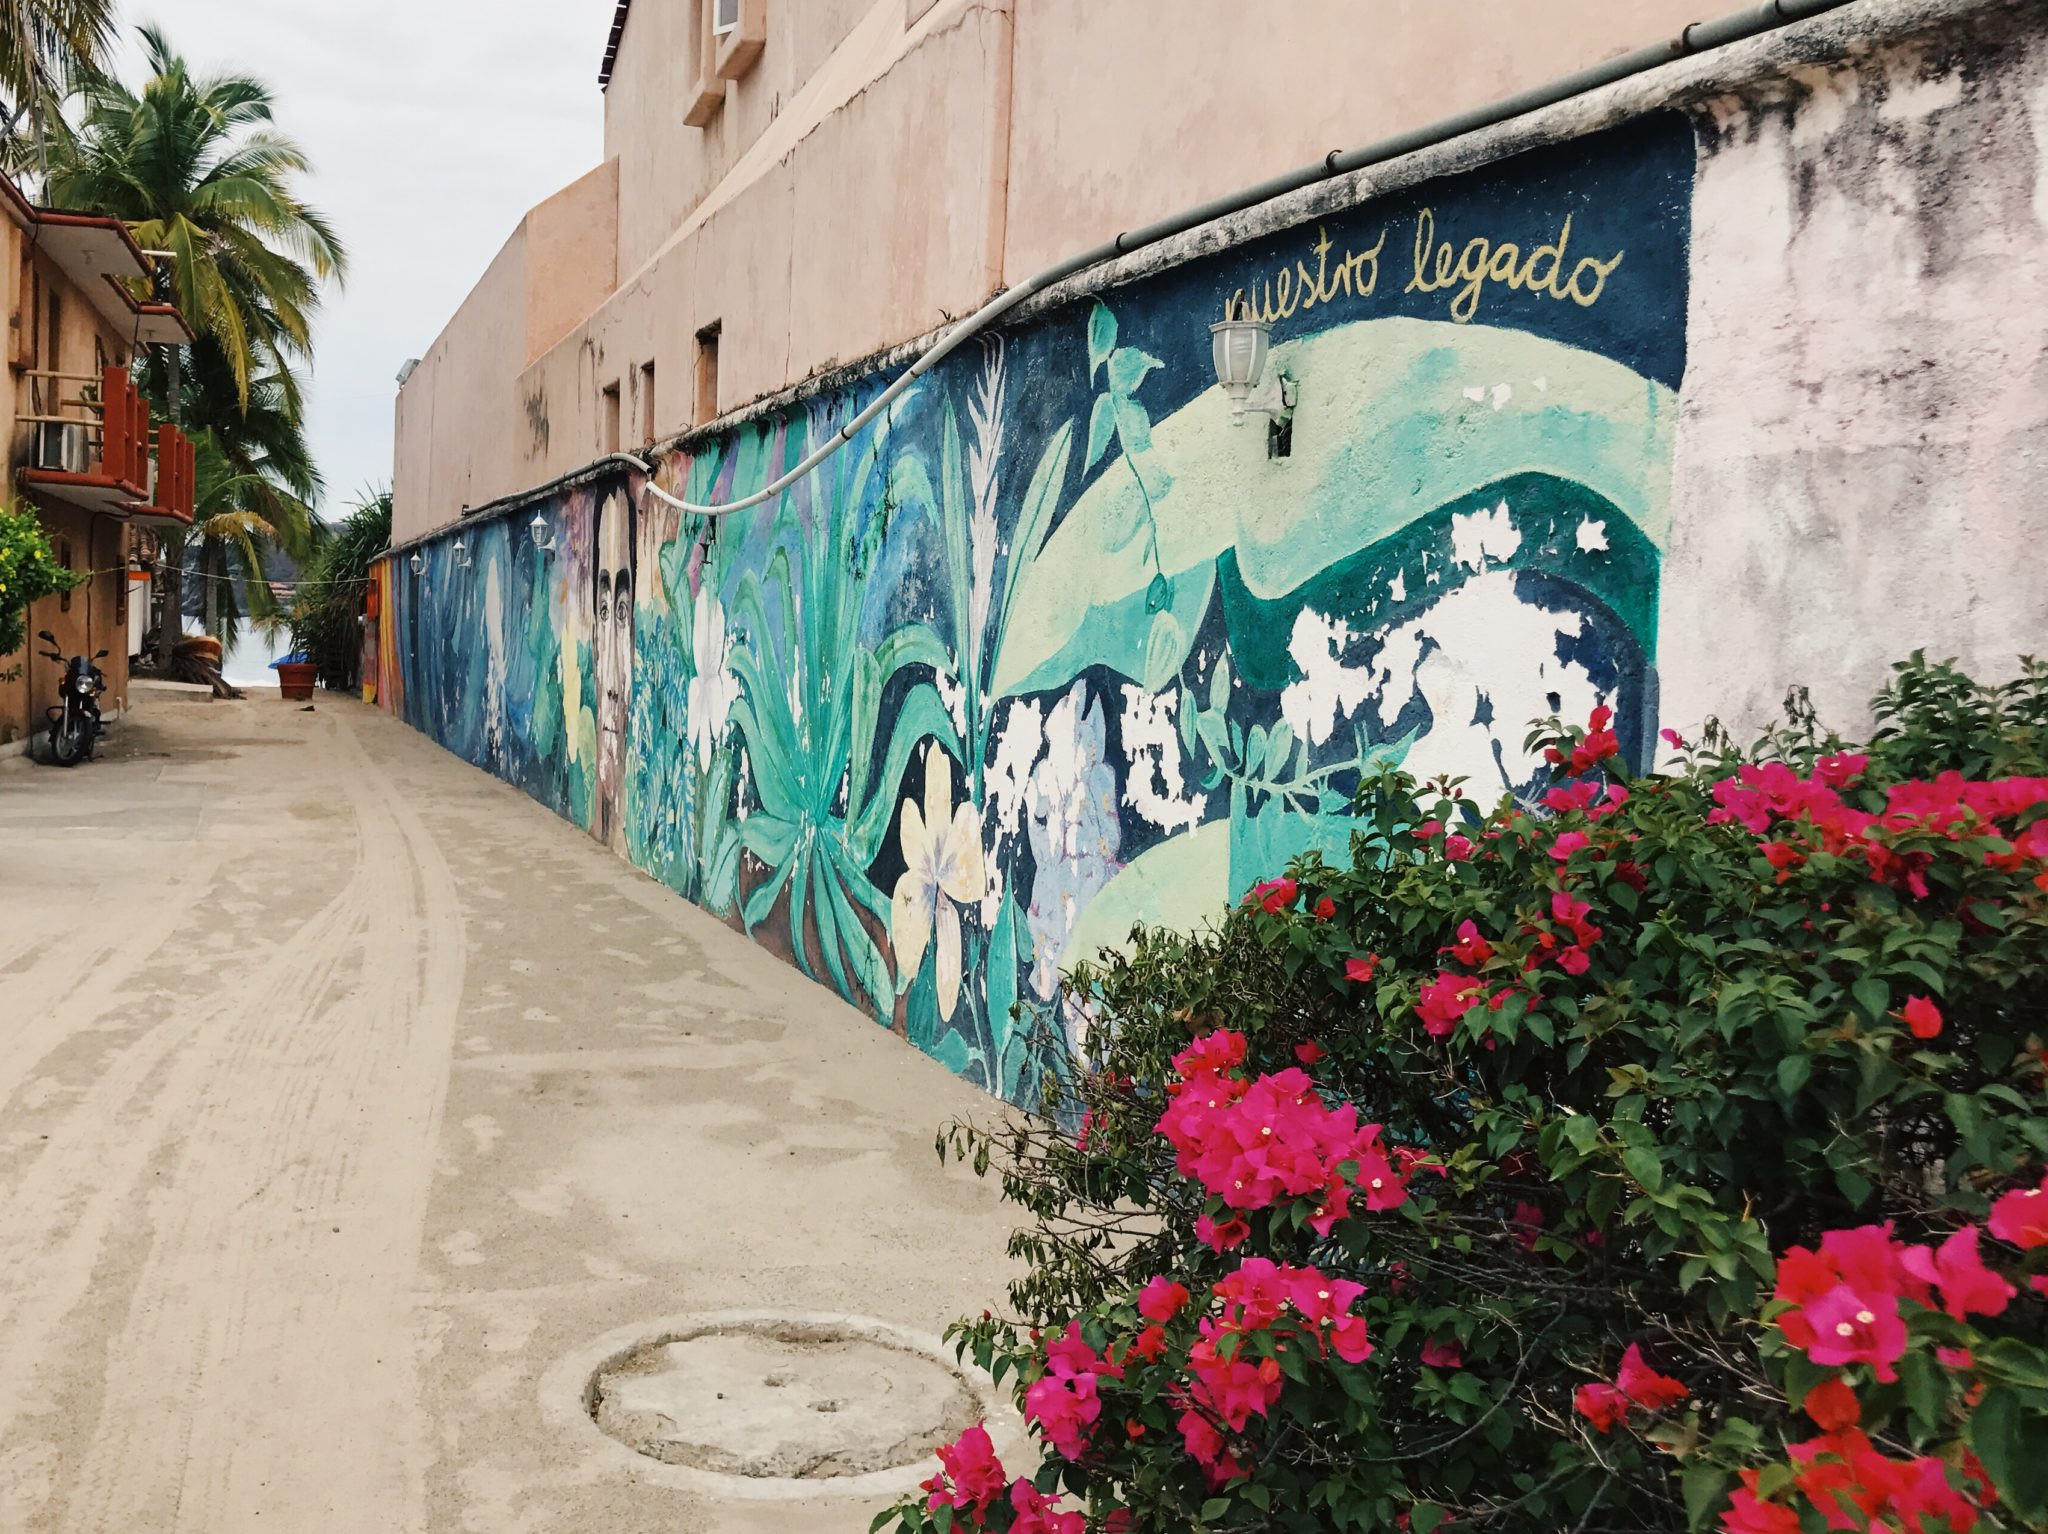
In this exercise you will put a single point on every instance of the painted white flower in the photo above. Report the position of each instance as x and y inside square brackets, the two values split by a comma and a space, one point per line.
[713, 689]
[942, 848]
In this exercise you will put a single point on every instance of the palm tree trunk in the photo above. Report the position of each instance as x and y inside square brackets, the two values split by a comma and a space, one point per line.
[172, 629]
[171, 584]
[215, 567]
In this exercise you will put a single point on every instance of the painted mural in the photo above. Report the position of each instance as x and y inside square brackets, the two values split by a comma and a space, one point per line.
[1053, 647]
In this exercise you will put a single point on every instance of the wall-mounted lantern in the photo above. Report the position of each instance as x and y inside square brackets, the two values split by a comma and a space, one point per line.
[1238, 346]
[461, 555]
[417, 564]
[543, 534]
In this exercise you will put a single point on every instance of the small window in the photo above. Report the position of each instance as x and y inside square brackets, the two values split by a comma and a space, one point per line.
[707, 373]
[725, 17]
[608, 419]
[63, 544]
[647, 404]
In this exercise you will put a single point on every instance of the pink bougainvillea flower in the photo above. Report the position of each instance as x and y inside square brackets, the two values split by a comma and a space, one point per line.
[1348, 1338]
[1446, 999]
[1645, 1386]
[1320, 1299]
[1782, 856]
[1222, 1050]
[1457, 849]
[2021, 1217]
[1567, 797]
[1256, 1294]
[1959, 1360]
[1273, 895]
[1472, 948]
[1325, 908]
[1361, 970]
[1430, 829]
[1161, 1299]
[1747, 1513]
[1221, 1237]
[1832, 1405]
[1036, 1513]
[1065, 1408]
[1673, 739]
[1309, 1052]
[1567, 843]
[1841, 769]
[1527, 1223]
[1573, 960]
[969, 1462]
[1922, 1016]
[1853, 1328]
[1600, 1404]
[1968, 1288]
[1149, 1345]
[1443, 1355]
[1069, 1355]
[1383, 1186]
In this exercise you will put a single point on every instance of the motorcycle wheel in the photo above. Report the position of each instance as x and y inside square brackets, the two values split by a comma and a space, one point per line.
[66, 744]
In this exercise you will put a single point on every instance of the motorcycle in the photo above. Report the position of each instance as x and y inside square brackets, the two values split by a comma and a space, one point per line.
[75, 722]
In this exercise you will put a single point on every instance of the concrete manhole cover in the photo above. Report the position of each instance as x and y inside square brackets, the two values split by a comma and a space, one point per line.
[761, 1404]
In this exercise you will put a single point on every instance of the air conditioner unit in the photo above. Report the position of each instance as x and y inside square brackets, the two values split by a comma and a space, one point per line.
[61, 446]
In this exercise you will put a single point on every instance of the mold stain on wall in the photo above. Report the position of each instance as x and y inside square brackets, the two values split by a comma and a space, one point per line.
[1051, 648]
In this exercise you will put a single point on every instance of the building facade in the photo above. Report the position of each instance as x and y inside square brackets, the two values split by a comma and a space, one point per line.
[1724, 376]
[80, 446]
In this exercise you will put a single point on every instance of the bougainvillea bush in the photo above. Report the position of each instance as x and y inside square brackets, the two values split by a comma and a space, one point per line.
[1663, 1153]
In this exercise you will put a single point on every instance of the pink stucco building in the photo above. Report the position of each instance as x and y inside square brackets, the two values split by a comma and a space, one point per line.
[828, 178]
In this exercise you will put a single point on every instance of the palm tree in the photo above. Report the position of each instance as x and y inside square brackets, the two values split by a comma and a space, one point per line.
[238, 516]
[46, 48]
[195, 168]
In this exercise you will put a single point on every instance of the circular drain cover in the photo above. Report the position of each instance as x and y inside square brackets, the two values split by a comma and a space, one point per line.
[781, 1399]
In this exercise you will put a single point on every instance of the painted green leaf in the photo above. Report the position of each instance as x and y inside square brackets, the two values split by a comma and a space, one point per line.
[1127, 369]
[1101, 337]
[1101, 427]
[1165, 648]
[1134, 426]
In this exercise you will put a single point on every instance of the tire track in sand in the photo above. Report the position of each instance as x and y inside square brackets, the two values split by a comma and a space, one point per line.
[264, 1377]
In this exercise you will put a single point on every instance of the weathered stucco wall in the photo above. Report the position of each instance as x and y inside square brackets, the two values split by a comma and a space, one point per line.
[1624, 405]
[1057, 648]
[1864, 430]
[459, 422]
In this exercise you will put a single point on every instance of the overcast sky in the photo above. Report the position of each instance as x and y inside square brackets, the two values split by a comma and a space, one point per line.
[433, 125]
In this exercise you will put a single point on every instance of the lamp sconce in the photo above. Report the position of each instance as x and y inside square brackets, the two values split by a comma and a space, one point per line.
[461, 555]
[543, 534]
[1238, 345]
[418, 563]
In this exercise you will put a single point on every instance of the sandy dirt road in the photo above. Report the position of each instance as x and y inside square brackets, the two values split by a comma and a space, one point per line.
[344, 1090]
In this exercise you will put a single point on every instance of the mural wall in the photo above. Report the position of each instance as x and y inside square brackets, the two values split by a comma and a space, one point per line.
[1053, 647]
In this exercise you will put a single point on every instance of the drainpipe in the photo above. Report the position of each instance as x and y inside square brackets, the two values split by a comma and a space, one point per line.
[1699, 37]
[996, 219]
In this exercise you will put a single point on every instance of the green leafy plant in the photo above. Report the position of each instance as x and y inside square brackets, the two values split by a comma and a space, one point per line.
[1667, 1152]
[29, 571]
[328, 602]
[809, 698]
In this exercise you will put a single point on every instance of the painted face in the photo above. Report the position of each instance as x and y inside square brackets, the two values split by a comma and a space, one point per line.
[612, 648]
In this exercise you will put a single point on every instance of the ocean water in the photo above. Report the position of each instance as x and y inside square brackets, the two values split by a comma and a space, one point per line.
[248, 663]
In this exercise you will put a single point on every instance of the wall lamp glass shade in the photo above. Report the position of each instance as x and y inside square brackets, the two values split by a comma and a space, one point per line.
[461, 555]
[418, 564]
[543, 535]
[1238, 345]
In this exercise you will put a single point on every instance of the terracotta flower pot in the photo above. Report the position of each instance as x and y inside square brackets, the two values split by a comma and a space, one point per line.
[295, 680]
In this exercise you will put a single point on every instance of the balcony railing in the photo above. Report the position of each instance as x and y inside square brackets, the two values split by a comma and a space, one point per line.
[91, 443]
